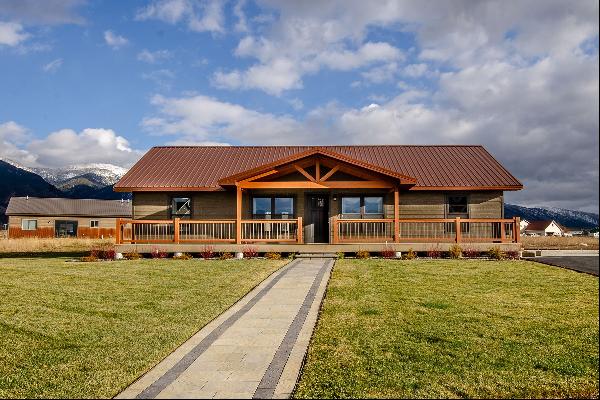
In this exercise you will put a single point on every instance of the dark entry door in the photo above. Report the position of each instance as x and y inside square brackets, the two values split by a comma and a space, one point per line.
[65, 228]
[317, 210]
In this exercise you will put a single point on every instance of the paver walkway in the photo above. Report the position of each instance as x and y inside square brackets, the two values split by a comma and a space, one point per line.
[254, 349]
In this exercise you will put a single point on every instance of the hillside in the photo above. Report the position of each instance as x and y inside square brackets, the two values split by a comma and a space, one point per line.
[568, 218]
[15, 181]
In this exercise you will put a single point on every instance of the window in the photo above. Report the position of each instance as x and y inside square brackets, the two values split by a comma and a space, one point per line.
[350, 205]
[94, 223]
[373, 205]
[29, 224]
[273, 207]
[458, 204]
[362, 207]
[181, 207]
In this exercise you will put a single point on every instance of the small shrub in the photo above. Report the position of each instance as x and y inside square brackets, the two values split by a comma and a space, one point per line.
[340, 255]
[455, 251]
[183, 256]
[388, 252]
[511, 255]
[434, 253]
[495, 253]
[250, 252]
[225, 255]
[362, 254]
[292, 255]
[273, 255]
[409, 255]
[134, 255]
[157, 253]
[471, 253]
[102, 253]
[89, 259]
[207, 252]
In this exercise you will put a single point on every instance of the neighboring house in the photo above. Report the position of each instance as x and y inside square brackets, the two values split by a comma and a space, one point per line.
[317, 194]
[523, 224]
[58, 217]
[545, 228]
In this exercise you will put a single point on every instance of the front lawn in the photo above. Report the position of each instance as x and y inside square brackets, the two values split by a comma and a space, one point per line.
[90, 329]
[454, 328]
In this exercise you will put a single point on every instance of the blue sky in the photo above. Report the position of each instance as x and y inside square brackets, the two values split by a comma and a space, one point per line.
[93, 81]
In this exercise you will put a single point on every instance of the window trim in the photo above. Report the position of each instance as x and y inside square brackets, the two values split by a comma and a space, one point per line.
[97, 221]
[29, 220]
[273, 215]
[172, 211]
[362, 214]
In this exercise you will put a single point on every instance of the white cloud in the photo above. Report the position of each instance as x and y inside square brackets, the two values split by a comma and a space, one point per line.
[65, 147]
[280, 73]
[238, 11]
[113, 40]
[153, 57]
[200, 17]
[42, 12]
[12, 34]
[53, 65]
[201, 118]
[161, 77]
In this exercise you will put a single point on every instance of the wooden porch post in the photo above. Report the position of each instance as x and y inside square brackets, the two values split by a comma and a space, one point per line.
[517, 229]
[238, 215]
[396, 215]
[502, 232]
[176, 230]
[458, 236]
[300, 231]
[118, 232]
[335, 230]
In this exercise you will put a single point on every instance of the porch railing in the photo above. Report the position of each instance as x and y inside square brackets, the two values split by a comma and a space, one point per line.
[208, 231]
[426, 230]
[344, 231]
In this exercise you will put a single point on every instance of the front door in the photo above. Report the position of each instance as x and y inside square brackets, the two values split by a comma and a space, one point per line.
[317, 215]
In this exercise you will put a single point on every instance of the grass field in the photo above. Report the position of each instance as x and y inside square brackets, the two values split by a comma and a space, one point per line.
[454, 328]
[63, 245]
[562, 243]
[89, 329]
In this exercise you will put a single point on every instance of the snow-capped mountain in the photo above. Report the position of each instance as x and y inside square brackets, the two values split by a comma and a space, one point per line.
[568, 218]
[96, 174]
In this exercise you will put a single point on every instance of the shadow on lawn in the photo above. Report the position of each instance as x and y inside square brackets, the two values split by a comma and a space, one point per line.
[43, 254]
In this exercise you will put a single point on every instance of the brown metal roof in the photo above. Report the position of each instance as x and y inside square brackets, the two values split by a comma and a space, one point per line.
[68, 207]
[541, 225]
[433, 167]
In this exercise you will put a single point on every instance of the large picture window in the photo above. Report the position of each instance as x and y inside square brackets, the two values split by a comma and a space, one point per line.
[272, 207]
[181, 207]
[362, 207]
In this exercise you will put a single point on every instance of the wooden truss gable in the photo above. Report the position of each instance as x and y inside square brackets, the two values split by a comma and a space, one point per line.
[318, 171]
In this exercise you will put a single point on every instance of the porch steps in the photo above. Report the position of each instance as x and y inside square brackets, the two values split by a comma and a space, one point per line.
[316, 255]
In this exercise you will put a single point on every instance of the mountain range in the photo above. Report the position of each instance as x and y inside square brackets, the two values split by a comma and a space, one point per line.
[95, 181]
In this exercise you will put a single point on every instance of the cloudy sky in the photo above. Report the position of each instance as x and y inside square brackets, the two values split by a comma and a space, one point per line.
[90, 81]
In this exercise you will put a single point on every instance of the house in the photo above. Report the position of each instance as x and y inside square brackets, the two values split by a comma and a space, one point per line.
[545, 228]
[58, 217]
[231, 196]
[523, 224]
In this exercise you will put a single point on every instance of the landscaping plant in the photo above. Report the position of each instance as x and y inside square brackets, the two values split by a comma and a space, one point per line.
[409, 255]
[455, 251]
[363, 254]
[134, 255]
[183, 256]
[388, 252]
[434, 252]
[225, 255]
[207, 252]
[471, 253]
[496, 253]
[157, 253]
[272, 255]
[250, 252]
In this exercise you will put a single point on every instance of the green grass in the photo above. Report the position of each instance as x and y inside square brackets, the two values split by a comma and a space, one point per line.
[454, 328]
[90, 329]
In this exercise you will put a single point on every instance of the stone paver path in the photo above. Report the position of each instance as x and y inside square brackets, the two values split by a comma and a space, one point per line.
[254, 349]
